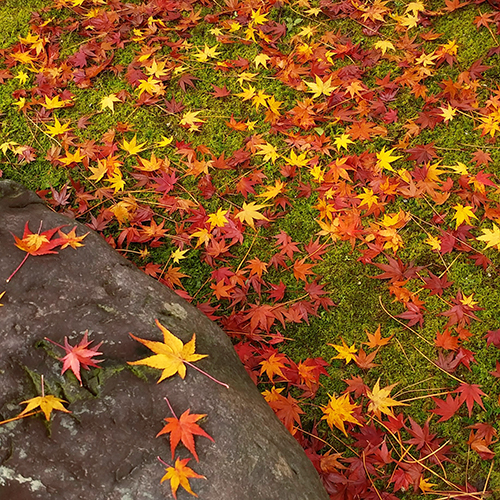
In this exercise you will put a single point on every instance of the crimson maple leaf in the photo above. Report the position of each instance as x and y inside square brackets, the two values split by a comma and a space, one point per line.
[470, 393]
[78, 356]
[436, 284]
[446, 407]
[493, 337]
[183, 429]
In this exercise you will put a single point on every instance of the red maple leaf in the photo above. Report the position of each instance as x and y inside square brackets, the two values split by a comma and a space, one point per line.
[470, 393]
[496, 372]
[493, 337]
[446, 408]
[183, 429]
[435, 284]
[220, 92]
[78, 356]
[446, 340]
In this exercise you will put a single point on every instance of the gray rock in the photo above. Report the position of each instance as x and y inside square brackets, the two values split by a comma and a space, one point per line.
[106, 448]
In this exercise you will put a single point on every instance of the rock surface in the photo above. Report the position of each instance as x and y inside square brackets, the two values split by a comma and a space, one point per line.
[106, 448]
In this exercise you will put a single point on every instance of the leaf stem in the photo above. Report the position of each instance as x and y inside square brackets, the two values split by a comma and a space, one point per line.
[55, 343]
[163, 462]
[19, 417]
[206, 374]
[170, 407]
[17, 268]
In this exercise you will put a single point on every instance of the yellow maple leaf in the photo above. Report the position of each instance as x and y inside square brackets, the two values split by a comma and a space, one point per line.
[218, 219]
[380, 400]
[247, 94]
[54, 103]
[272, 191]
[207, 53]
[274, 105]
[261, 59]
[433, 242]
[345, 352]
[260, 99]
[385, 158]
[203, 236]
[342, 141]
[165, 141]
[109, 102]
[463, 214]
[250, 212]
[300, 160]
[384, 46]
[75, 157]
[47, 403]
[191, 118]
[57, 128]
[246, 77]
[132, 147]
[338, 411]
[99, 171]
[116, 181]
[151, 86]
[491, 237]
[415, 7]
[448, 113]
[157, 69]
[268, 151]
[178, 255]
[22, 77]
[459, 168]
[321, 87]
[425, 485]
[170, 355]
[367, 198]
[179, 475]
[258, 18]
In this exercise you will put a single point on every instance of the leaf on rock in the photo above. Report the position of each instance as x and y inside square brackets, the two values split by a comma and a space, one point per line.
[183, 429]
[46, 403]
[170, 355]
[78, 356]
[179, 475]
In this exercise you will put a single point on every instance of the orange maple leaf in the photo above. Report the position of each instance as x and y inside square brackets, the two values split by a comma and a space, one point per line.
[179, 475]
[183, 429]
[376, 340]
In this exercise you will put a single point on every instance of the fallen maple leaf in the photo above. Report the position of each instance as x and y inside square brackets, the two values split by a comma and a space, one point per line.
[446, 408]
[132, 147]
[183, 429]
[345, 352]
[338, 411]
[380, 400]
[170, 355]
[71, 239]
[78, 356]
[46, 403]
[376, 340]
[35, 244]
[470, 393]
[179, 475]
[250, 212]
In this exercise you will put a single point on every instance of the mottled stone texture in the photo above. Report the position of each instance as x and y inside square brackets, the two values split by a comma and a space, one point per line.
[106, 449]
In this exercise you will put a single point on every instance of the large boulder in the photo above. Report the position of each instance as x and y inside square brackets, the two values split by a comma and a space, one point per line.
[106, 449]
